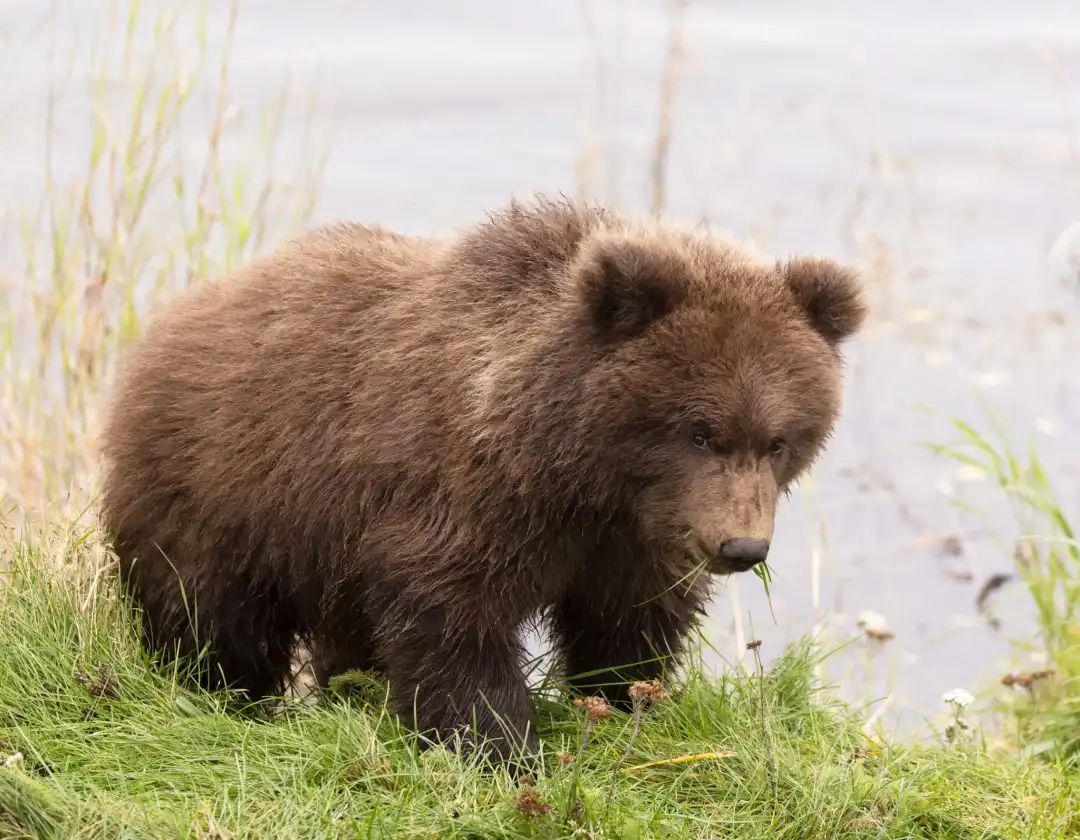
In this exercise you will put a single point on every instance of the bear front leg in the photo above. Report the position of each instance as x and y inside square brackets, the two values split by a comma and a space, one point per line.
[458, 680]
[608, 643]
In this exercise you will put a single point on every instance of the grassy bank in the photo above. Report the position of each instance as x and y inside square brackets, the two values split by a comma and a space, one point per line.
[98, 743]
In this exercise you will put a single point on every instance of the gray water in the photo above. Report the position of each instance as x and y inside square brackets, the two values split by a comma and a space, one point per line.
[935, 144]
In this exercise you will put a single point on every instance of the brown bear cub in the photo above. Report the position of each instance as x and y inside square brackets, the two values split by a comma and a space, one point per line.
[400, 449]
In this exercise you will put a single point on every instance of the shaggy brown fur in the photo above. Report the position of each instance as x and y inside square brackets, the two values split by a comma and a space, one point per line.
[400, 449]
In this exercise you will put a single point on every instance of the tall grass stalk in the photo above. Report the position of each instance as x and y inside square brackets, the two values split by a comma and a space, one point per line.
[669, 84]
[178, 181]
[1047, 559]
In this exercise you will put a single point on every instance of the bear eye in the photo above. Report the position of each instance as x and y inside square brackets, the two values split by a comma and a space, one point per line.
[777, 447]
[700, 438]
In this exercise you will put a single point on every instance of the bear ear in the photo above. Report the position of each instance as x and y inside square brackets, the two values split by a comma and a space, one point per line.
[625, 287]
[830, 294]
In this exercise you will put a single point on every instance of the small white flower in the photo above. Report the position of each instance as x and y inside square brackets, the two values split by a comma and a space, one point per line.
[958, 697]
[14, 760]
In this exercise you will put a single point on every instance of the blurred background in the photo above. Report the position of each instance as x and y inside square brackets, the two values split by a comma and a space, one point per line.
[144, 145]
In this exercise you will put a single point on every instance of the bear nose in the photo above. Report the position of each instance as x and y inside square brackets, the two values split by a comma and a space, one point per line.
[742, 553]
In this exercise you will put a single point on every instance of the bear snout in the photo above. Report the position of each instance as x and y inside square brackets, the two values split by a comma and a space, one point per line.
[741, 554]
[733, 554]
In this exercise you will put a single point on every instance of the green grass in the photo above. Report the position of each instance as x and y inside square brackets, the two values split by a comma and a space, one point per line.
[96, 742]
[1047, 560]
[114, 747]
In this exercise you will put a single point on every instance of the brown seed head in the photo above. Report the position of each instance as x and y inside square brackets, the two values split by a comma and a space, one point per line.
[595, 707]
[1025, 679]
[529, 803]
[649, 692]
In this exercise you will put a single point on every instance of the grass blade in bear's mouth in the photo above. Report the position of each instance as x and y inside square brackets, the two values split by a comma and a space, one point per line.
[763, 571]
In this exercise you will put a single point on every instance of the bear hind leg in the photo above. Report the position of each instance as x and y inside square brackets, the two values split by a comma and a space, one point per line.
[247, 630]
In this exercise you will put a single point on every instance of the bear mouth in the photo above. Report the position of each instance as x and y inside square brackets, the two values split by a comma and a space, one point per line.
[737, 566]
[713, 564]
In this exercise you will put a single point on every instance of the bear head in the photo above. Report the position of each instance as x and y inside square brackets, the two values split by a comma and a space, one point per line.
[716, 382]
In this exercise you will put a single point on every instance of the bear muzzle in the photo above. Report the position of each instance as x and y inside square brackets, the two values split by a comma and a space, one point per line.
[741, 554]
